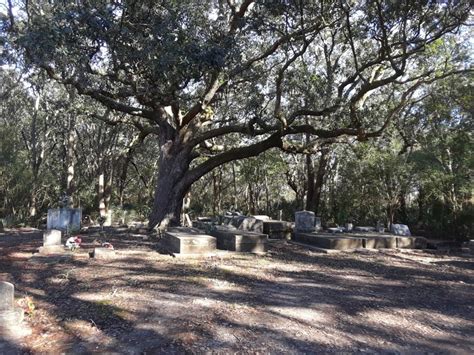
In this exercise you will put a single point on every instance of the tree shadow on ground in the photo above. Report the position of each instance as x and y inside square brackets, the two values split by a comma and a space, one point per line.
[292, 300]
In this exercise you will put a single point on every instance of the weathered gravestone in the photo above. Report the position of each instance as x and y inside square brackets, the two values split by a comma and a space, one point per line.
[401, 229]
[203, 223]
[251, 224]
[183, 241]
[304, 221]
[10, 316]
[277, 229]
[239, 240]
[380, 227]
[51, 242]
[64, 219]
[103, 253]
[317, 224]
[7, 292]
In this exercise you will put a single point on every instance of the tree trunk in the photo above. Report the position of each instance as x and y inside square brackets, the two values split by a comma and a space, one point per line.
[320, 178]
[309, 183]
[171, 187]
[101, 193]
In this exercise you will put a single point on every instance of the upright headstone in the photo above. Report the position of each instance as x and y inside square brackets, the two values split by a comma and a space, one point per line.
[64, 219]
[51, 242]
[10, 316]
[7, 291]
[349, 227]
[380, 227]
[401, 229]
[304, 221]
[51, 237]
[317, 224]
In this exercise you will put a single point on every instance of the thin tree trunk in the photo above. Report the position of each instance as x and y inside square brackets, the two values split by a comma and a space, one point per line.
[101, 193]
[309, 183]
[320, 179]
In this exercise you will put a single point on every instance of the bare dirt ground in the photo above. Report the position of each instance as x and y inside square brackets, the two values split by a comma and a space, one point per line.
[291, 300]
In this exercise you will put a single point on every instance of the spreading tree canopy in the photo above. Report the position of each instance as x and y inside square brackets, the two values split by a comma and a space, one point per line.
[218, 80]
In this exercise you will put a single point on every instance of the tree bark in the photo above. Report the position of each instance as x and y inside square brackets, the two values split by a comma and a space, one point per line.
[320, 179]
[175, 177]
[171, 187]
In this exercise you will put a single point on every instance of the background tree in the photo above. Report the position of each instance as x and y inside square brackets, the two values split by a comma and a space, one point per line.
[193, 72]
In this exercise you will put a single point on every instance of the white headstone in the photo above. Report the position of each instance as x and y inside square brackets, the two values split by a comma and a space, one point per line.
[52, 237]
[7, 292]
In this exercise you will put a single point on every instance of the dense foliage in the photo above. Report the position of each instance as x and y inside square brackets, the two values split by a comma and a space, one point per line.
[358, 110]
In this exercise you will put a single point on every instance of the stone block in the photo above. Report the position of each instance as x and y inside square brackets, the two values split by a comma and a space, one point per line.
[103, 253]
[317, 224]
[204, 219]
[52, 237]
[381, 242]
[406, 242]
[234, 221]
[304, 221]
[12, 316]
[7, 292]
[364, 229]
[400, 229]
[64, 219]
[330, 242]
[239, 240]
[182, 240]
[251, 224]
[421, 243]
[262, 217]
[51, 249]
[277, 229]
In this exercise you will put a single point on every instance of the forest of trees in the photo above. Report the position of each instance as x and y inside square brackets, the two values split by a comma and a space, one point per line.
[360, 111]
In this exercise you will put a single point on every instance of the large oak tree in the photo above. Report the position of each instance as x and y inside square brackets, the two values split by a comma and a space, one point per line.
[218, 80]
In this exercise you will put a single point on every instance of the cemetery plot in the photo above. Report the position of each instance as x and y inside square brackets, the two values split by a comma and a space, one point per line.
[238, 240]
[182, 240]
[289, 300]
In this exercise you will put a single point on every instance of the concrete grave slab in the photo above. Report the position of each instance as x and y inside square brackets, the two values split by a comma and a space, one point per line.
[251, 224]
[364, 229]
[277, 229]
[329, 241]
[239, 240]
[406, 242]
[103, 253]
[183, 240]
[380, 242]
